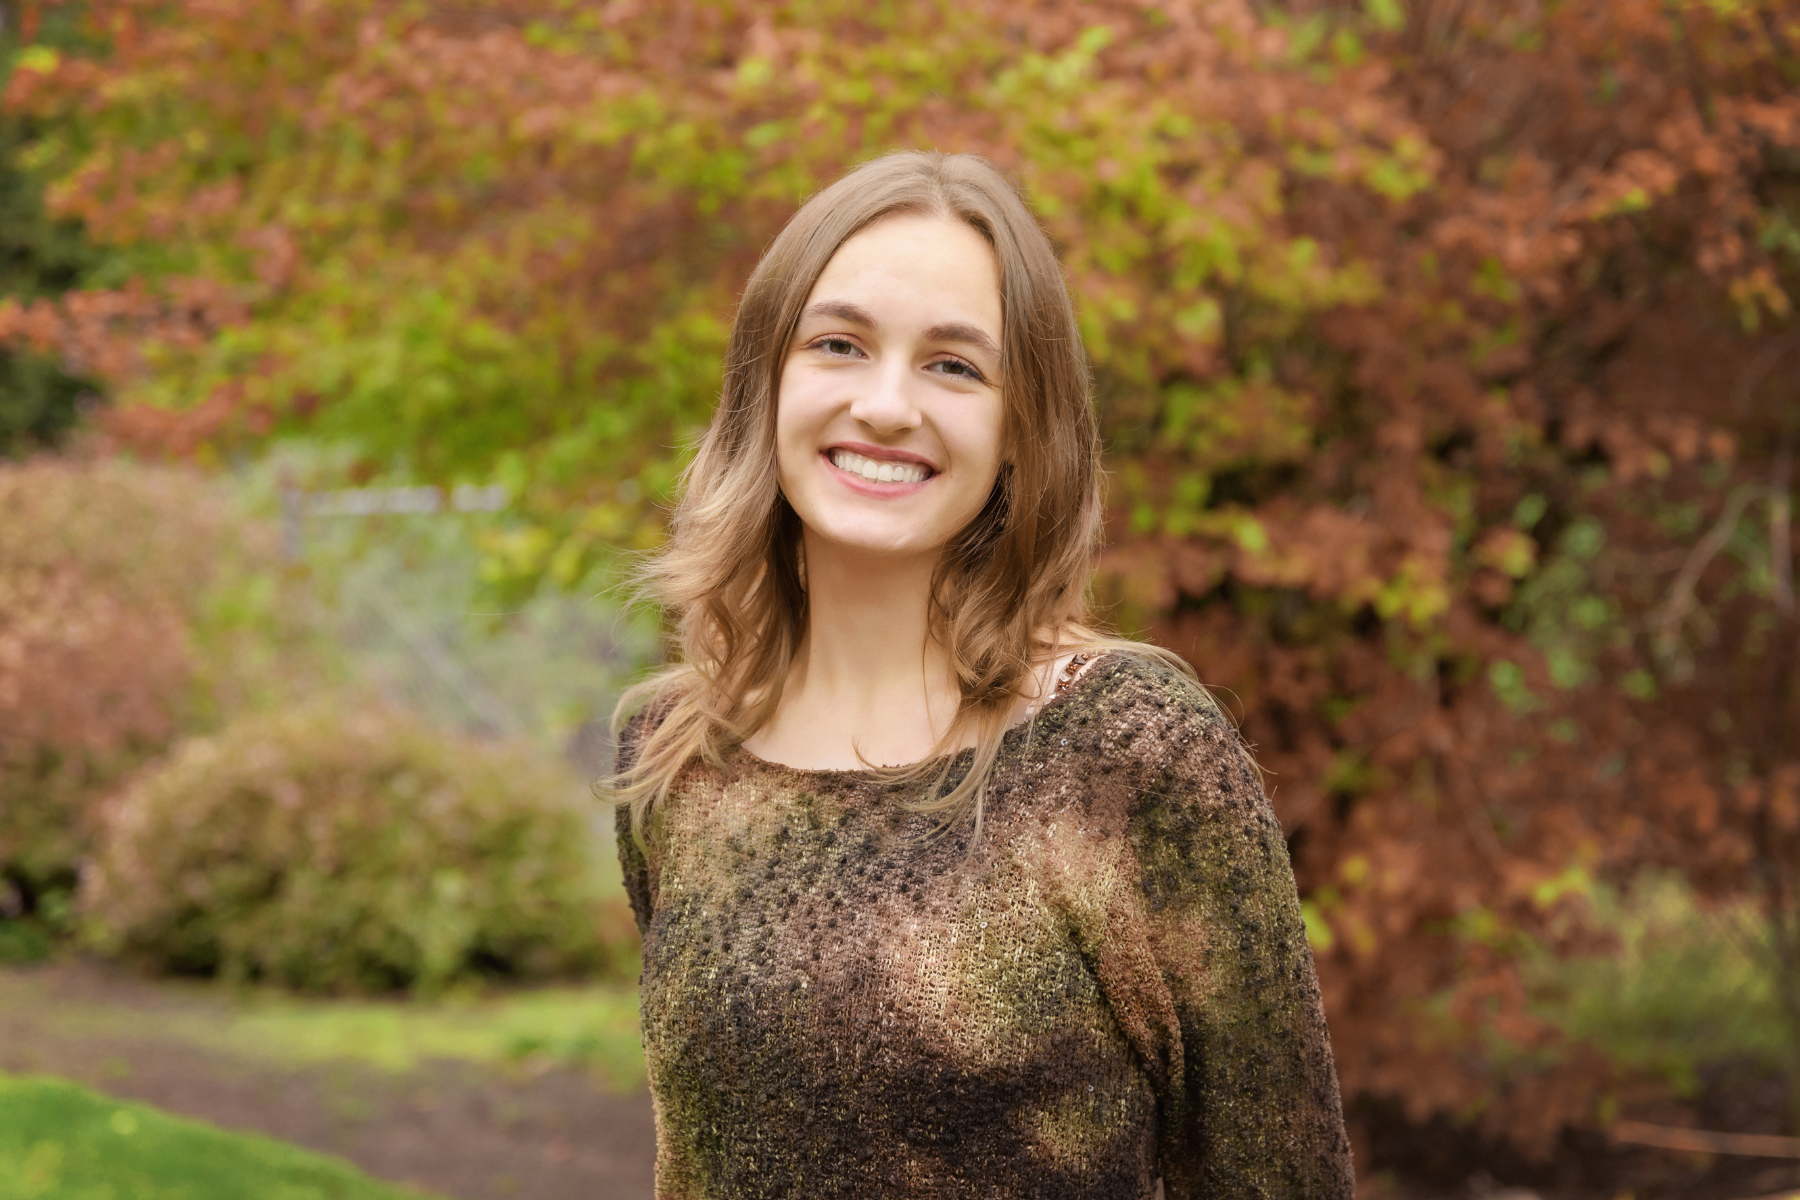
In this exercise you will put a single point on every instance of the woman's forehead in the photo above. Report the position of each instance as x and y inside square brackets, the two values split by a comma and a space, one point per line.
[923, 271]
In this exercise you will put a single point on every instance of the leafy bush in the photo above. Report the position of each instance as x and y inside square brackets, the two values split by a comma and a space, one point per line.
[1685, 985]
[23, 941]
[356, 851]
[102, 565]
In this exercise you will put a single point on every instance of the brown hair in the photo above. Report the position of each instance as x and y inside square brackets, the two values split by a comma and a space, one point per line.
[1008, 594]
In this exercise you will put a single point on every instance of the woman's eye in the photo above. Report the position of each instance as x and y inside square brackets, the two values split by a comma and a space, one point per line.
[840, 347]
[957, 368]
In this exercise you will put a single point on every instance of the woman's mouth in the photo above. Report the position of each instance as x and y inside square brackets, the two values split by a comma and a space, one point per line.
[873, 470]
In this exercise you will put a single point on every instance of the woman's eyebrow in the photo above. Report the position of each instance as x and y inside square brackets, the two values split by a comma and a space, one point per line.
[959, 331]
[948, 331]
[843, 310]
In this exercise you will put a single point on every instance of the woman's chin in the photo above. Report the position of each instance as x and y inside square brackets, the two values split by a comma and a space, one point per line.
[865, 541]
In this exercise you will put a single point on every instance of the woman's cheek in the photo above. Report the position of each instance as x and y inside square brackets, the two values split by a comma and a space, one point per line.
[794, 431]
[979, 437]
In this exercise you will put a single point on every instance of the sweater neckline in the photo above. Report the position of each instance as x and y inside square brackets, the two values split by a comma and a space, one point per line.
[1079, 684]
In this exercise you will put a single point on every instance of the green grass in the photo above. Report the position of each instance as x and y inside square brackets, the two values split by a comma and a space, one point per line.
[62, 1142]
[594, 1027]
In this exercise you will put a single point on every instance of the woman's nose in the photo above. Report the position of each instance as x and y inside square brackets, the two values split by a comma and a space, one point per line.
[885, 405]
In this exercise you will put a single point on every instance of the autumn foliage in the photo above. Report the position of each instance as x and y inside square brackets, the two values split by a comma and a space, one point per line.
[1444, 351]
[102, 567]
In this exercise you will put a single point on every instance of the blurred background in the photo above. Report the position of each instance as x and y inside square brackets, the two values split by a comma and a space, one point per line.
[349, 349]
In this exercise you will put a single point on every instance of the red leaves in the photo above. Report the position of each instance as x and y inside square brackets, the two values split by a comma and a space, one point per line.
[100, 334]
[100, 565]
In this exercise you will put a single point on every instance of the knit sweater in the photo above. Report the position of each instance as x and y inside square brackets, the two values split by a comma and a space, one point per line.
[1113, 986]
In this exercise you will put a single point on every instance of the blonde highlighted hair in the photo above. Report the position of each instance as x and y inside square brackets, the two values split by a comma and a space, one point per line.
[1009, 592]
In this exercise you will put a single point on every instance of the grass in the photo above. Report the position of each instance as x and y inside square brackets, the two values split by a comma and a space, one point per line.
[62, 1142]
[593, 1027]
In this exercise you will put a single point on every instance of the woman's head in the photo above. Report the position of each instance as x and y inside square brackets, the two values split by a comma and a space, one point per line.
[894, 206]
[1013, 531]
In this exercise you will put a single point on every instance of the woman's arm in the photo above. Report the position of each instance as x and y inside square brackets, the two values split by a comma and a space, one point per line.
[632, 862]
[1250, 1105]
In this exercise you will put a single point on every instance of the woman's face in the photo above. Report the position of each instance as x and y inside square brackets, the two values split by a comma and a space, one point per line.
[887, 426]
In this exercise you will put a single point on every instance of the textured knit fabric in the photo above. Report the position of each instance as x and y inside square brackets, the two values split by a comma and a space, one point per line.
[1115, 986]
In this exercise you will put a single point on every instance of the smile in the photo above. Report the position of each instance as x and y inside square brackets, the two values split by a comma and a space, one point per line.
[875, 471]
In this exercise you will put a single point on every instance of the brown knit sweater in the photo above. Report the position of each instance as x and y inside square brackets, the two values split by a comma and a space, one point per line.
[1114, 987]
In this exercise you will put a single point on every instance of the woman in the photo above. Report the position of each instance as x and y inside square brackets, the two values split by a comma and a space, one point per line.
[942, 893]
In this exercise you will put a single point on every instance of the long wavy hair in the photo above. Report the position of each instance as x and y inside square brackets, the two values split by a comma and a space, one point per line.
[1009, 593]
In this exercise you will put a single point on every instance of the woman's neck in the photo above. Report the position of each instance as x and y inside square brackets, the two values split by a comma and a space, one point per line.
[868, 678]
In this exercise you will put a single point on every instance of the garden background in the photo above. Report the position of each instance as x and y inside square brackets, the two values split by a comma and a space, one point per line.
[1447, 366]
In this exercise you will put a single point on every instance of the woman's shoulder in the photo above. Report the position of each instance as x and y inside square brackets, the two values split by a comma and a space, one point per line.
[1143, 686]
[1143, 720]
[650, 709]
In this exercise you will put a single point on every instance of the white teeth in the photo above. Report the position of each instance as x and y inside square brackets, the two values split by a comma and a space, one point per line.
[879, 472]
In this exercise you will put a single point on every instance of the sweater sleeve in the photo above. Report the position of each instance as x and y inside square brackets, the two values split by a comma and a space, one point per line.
[1250, 1105]
[633, 863]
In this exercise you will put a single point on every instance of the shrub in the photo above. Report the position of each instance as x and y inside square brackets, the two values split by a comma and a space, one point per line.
[1684, 985]
[349, 851]
[102, 565]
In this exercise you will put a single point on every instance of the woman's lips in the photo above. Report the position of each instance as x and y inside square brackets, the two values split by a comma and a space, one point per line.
[875, 469]
[877, 476]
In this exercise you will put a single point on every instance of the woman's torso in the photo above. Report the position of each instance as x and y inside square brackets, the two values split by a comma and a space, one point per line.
[838, 998]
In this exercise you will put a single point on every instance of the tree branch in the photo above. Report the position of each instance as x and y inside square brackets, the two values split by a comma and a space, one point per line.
[1781, 546]
[1681, 596]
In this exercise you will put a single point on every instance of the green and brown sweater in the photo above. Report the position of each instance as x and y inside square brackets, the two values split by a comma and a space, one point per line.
[1114, 987]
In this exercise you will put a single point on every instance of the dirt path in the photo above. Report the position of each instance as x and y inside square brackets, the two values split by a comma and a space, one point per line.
[458, 1129]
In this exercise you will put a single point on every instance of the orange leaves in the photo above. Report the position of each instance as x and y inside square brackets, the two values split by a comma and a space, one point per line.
[1331, 554]
[1777, 796]
[1636, 181]
[187, 432]
[1508, 551]
[277, 255]
[1646, 448]
[101, 333]
[102, 566]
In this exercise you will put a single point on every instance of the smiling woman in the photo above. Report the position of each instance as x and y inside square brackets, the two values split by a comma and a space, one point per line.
[943, 892]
